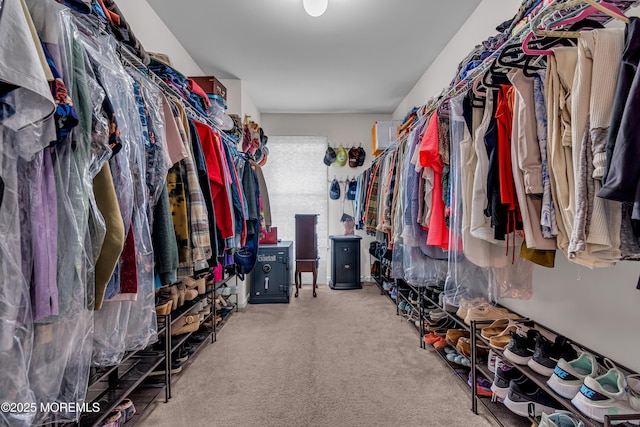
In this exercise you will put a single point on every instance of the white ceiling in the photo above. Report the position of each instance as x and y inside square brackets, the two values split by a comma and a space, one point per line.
[361, 56]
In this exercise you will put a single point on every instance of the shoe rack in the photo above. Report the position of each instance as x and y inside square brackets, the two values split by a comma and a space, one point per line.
[429, 302]
[498, 411]
[132, 378]
[229, 303]
[495, 410]
[541, 380]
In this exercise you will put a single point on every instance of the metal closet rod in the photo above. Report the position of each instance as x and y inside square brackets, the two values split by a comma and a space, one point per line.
[129, 57]
[464, 85]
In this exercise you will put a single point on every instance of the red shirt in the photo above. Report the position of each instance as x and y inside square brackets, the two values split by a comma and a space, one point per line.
[430, 158]
[217, 179]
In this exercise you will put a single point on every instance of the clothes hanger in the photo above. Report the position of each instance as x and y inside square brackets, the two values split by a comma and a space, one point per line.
[572, 18]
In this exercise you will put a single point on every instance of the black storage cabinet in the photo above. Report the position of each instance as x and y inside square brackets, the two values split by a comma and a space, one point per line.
[345, 262]
[271, 277]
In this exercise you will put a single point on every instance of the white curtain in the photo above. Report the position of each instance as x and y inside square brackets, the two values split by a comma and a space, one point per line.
[297, 180]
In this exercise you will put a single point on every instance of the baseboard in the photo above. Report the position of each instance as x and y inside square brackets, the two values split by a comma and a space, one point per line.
[242, 303]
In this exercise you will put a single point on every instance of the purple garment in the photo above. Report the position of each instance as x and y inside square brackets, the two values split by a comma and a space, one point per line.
[43, 210]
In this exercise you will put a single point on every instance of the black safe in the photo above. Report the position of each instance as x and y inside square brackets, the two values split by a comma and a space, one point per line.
[345, 262]
[271, 277]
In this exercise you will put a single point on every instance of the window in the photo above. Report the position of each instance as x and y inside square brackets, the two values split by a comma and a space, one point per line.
[297, 181]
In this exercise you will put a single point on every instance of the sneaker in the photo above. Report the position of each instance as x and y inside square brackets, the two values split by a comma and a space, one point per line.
[463, 307]
[394, 293]
[520, 348]
[568, 377]
[546, 355]
[503, 377]
[560, 419]
[633, 381]
[487, 312]
[491, 361]
[604, 395]
[525, 393]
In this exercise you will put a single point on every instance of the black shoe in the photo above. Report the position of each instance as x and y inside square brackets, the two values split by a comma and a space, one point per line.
[546, 355]
[503, 377]
[181, 355]
[521, 394]
[521, 348]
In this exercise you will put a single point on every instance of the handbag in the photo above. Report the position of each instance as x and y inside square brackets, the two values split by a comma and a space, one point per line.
[270, 237]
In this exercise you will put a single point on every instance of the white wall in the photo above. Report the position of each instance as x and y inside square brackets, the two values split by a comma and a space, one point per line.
[155, 36]
[345, 129]
[234, 95]
[598, 308]
[480, 25]
[249, 108]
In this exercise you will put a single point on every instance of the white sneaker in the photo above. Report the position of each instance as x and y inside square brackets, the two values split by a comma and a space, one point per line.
[560, 419]
[568, 377]
[491, 361]
[633, 382]
[604, 395]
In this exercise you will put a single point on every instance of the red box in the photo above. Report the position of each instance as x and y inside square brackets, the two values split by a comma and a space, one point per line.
[270, 238]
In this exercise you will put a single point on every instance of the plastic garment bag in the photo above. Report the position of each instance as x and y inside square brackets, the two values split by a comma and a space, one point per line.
[500, 276]
[127, 321]
[464, 279]
[398, 205]
[62, 346]
[420, 262]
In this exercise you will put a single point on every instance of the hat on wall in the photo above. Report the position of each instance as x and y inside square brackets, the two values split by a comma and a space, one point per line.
[351, 189]
[361, 156]
[334, 190]
[341, 156]
[329, 156]
[353, 157]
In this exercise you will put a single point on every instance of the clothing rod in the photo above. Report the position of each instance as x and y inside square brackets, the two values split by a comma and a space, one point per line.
[464, 85]
[135, 62]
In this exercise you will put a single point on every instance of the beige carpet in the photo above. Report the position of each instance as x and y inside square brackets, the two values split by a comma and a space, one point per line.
[341, 359]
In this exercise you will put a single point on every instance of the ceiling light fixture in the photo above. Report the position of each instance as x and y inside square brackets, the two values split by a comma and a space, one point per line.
[315, 8]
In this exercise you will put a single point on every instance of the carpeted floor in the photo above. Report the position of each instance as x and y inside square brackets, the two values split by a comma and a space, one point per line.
[341, 359]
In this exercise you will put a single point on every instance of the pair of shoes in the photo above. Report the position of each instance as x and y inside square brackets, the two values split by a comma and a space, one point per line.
[524, 393]
[199, 285]
[464, 347]
[453, 335]
[608, 394]
[171, 293]
[412, 300]
[485, 312]
[465, 304]
[457, 358]
[405, 306]
[445, 323]
[483, 385]
[560, 419]
[502, 378]
[546, 354]
[163, 307]
[120, 415]
[436, 339]
[521, 347]
[181, 355]
[176, 367]
[437, 314]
